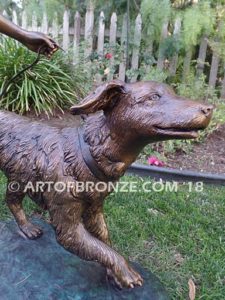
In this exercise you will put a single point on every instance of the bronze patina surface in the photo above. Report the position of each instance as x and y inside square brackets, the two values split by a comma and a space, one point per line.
[127, 117]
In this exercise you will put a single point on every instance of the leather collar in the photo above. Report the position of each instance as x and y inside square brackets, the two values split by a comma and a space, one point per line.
[88, 158]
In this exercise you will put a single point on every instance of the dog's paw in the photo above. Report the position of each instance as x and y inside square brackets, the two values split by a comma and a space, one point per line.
[125, 277]
[31, 231]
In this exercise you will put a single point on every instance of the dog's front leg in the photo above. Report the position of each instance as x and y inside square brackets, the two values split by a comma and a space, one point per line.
[74, 237]
[94, 222]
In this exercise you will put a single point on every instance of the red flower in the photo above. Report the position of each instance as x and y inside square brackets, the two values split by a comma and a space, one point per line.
[154, 161]
[108, 55]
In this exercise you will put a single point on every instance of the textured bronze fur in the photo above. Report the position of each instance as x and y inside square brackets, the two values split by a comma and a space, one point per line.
[132, 115]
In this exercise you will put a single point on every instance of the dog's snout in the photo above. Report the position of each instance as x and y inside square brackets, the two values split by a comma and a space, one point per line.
[207, 110]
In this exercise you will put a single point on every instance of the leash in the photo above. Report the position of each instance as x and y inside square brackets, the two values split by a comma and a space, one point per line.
[4, 92]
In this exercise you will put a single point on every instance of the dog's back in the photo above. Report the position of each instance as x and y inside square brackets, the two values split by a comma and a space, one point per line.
[27, 148]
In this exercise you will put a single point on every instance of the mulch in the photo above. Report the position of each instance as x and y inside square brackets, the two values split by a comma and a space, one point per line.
[208, 156]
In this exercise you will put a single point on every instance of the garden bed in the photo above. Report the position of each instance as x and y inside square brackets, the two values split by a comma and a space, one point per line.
[208, 156]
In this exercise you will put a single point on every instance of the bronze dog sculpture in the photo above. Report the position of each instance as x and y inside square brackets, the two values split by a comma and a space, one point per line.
[132, 115]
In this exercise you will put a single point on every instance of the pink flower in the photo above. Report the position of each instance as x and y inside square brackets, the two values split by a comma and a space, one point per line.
[154, 161]
[108, 55]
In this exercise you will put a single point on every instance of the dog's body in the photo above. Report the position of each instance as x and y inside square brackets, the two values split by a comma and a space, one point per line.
[134, 115]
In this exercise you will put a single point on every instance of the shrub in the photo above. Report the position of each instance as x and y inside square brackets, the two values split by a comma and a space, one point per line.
[156, 75]
[48, 85]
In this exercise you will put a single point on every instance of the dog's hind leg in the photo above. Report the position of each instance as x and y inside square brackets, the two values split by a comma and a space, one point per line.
[14, 201]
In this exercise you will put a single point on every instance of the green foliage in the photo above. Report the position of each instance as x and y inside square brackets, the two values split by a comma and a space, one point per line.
[216, 3]
[181, 4]
[48, 85]
[118, 6]
[170, 46]
[197, 20]
[51, 7]
[154, 14]
[196, 89]
[217, 46]
[156, 75]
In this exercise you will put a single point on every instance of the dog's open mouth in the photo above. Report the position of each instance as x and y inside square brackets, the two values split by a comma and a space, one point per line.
[184, 133]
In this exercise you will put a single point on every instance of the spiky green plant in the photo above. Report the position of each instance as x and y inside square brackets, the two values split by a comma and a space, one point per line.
[50, 84]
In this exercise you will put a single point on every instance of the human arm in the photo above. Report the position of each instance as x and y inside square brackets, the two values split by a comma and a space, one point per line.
[35, 41]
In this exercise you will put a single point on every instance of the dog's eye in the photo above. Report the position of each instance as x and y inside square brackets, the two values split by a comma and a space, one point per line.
[154, 97]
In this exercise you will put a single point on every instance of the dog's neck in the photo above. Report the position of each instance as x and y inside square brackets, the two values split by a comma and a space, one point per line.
[113, 151]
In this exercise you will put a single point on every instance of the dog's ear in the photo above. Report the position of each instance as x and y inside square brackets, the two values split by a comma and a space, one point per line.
[100, 99]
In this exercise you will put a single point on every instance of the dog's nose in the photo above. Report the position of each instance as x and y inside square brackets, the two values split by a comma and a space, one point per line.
[207, 110]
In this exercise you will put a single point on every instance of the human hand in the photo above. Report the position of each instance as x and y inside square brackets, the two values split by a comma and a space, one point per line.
[39, 42]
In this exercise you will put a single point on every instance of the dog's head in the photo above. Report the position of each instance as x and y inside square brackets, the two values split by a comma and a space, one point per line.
[147, 110]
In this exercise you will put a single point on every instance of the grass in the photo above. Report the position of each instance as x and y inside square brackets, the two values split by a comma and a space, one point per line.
[177, 235]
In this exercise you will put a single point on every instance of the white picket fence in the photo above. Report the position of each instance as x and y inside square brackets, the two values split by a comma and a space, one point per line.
[84, 30]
